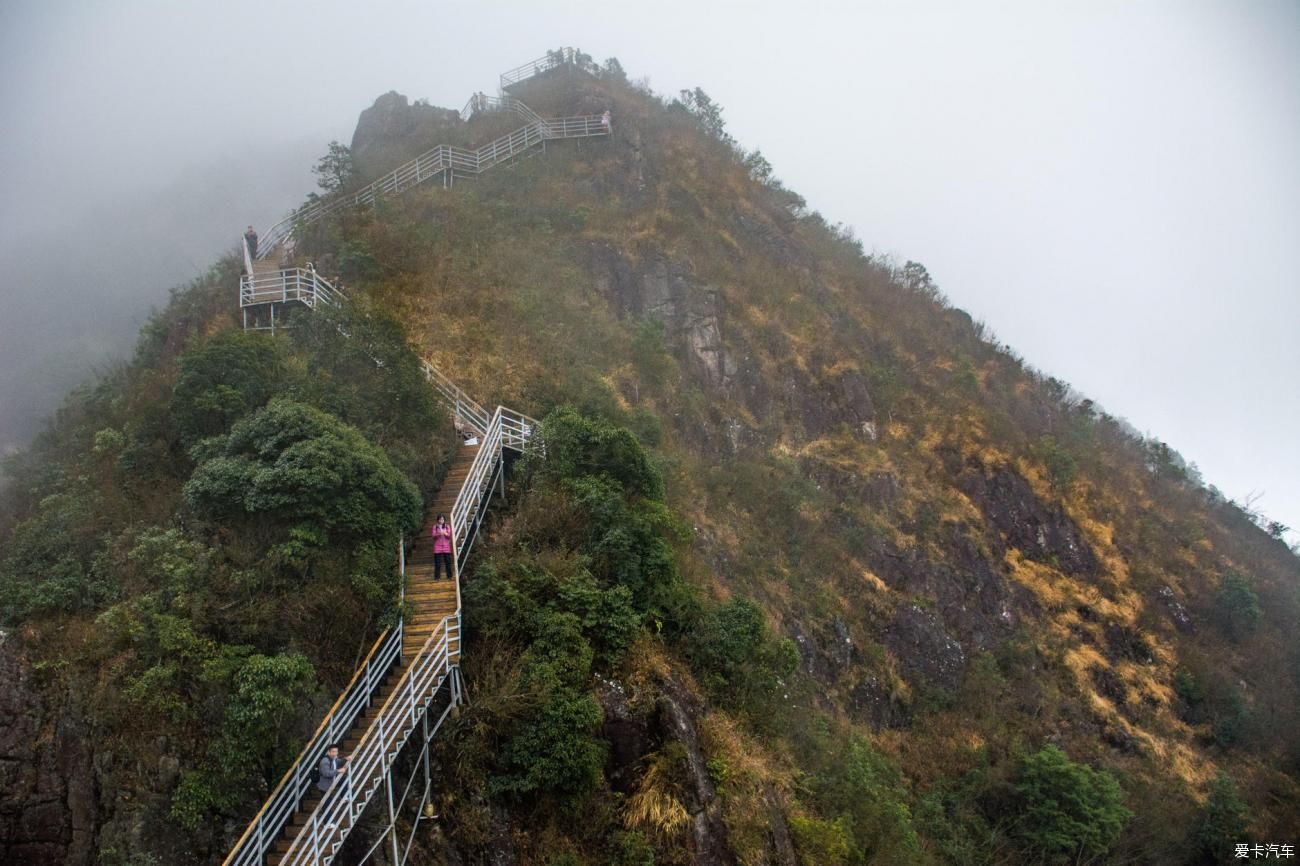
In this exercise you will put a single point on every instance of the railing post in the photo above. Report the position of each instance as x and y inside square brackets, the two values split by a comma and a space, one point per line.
[315, 830]
[410, 691]
[392, 820]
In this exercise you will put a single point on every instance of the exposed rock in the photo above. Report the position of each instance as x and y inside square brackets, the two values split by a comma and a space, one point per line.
[917, 639]
[48, 807]
[1043, 533]
[707, 827]
[875, 703]
[1109, 684]
[823, 656]
[1182, 618]
[393, 131]
[626, 732]
[782, 845]
[1124, 642]
[878, 489]
[975, 600]
[501, 847]
[667, 290]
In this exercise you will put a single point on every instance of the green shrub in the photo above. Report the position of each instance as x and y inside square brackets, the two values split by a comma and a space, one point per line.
[739, 660]
[554, 750]
[225, 378]
[1067, 811]
[50, 565]
[1223, 821]
[1230, 719]
[1236, 605]
[820, 843]
[315, 486]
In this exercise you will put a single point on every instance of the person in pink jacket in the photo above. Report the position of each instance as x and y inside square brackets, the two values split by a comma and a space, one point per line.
[441, 547]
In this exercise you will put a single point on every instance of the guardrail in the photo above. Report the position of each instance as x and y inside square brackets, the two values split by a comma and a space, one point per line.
[442, 161]
[553, 59]
[460, 403]
[481, 103]
[287, 284]
[507, 429]
[369, 767]
[264, 830]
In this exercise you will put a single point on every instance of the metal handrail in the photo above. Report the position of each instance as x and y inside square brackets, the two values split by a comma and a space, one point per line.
[461, 404]
[438, 161]
[287, 284]
[553, 59]
[508, 429]
[264, 829]
[320, 838]
[481, 103]
[407, 704]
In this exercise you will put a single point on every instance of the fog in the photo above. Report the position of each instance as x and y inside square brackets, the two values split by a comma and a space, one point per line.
[1112, 187]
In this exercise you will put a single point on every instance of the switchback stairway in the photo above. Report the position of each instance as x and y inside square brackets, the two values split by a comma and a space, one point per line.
[409, 681]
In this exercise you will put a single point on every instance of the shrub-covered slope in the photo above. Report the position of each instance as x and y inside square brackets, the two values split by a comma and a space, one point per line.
[815, 571]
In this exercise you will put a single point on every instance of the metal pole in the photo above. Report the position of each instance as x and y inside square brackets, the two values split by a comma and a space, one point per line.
[392, 819]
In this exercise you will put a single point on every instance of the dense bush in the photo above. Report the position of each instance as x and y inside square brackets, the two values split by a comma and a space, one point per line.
[740, 662]
[225, 378]
[1224, 821]
[1067, 812]
[50, 563]
[1236, 605]
[859, 794]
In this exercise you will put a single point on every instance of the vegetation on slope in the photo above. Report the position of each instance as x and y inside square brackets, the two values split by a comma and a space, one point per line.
[816, 571]
[204, 542]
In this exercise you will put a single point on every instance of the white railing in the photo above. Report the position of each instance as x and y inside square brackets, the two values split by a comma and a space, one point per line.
[265, 829]
[407, 705]
[371, 761]
[553, 59]
[481, 103]
[461, 404]
[439, 162]
[288, 284]
[507, 429]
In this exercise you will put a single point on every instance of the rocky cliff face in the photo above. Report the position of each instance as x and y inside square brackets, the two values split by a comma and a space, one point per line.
[394, 130]
[48, 799]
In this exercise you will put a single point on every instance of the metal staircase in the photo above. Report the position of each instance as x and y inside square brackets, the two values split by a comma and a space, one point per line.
[447, 163]
[409, 681]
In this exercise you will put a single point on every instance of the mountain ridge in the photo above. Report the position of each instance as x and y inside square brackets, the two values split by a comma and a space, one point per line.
[971, 561]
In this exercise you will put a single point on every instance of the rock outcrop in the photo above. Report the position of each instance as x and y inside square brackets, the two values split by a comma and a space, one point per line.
[48, 804]
[394, 130]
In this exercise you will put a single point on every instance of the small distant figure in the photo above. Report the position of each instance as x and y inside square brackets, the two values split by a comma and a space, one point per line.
[331, 768]
[605, 121]
[250, 237]
[441, 547]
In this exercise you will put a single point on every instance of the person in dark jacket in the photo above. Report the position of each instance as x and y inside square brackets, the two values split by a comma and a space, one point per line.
[250, 237]
[332, 767]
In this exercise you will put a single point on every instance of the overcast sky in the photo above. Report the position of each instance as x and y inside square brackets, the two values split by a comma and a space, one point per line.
[1113, 187]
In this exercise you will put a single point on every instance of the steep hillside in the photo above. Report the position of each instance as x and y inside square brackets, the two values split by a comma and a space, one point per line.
[859, 586]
